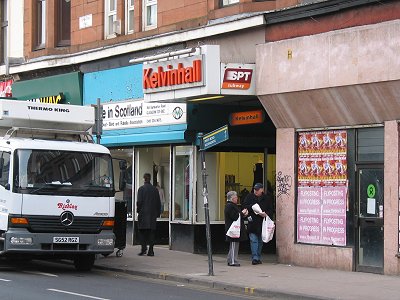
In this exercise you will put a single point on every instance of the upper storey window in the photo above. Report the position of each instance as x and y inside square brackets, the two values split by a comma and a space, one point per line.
[228, 2]
[150, 14]
[63, 22]
[111, 23]
[130, 8]
[40, 36]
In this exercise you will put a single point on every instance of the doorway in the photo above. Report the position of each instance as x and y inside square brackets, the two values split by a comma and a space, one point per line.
[370, 233]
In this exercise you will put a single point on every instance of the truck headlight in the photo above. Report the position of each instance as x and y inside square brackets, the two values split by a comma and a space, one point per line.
[21, 241]
[105, 242]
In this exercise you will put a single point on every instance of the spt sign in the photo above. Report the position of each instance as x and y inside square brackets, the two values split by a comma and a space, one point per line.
[237, 78]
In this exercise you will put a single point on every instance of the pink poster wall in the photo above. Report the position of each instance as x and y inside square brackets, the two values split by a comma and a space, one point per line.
[322, 188]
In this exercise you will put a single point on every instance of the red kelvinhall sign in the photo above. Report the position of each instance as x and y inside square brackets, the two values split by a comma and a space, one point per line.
[246, 117]
[172, 76]
[237, 78]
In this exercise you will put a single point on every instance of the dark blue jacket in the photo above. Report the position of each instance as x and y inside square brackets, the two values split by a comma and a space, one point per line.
[255, 221]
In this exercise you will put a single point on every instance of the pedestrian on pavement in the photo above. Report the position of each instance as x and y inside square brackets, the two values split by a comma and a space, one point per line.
[255, 220]
[148, 208]
[232, 213]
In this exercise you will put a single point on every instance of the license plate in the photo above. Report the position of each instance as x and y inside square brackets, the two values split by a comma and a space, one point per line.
[65, 240]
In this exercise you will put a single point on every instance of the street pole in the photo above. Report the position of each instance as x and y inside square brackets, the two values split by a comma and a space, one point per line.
[206, 209]
[98, 120]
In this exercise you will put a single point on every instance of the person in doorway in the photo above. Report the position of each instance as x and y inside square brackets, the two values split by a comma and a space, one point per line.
[148, 208]
[232, 213]
[255, 219]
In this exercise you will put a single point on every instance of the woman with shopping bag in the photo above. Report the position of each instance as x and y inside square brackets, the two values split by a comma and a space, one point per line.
[234, 227]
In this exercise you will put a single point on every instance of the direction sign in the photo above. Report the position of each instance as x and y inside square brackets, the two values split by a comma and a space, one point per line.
[215, 137]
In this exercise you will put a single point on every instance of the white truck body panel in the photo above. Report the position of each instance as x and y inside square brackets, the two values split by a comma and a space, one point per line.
[42, 115]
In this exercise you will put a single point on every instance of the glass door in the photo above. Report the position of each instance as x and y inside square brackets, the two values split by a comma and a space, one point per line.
[183, 183]
[370, 219]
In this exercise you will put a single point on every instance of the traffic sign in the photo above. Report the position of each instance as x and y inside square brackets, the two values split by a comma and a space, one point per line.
[215, 137]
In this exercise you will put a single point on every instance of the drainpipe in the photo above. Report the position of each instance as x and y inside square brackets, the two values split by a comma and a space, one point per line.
[6, 49]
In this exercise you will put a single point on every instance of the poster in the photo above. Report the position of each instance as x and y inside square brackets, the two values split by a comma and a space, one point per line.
[5, 88]
[322, 187]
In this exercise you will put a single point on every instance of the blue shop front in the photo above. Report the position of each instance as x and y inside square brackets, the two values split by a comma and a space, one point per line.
[146, 135]
[160, 138]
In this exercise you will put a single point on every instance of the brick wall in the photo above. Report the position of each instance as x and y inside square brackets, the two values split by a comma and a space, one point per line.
[173, 15]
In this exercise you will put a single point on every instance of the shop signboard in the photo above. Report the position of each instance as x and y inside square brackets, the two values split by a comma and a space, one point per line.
[183, 77]
[173, 74]
[138, 113]
[247, 117]
[322, 187]
[195, 76]
[238, 79]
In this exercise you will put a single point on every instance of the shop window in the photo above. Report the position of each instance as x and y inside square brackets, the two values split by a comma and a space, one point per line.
[183, 183]
[63, 22]
[3, 30]
[228, 2]
[370, 144]
[129, 8]
[150, 14]
[111, 24]
[40, 12]
[156, 161]
[231, 171]
[124, 195]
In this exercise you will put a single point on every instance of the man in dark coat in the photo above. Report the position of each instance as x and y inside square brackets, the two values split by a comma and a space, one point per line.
[255, 220]
[232, 213]
[148, 208]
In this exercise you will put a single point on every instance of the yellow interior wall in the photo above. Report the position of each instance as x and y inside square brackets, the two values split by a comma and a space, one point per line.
[221, 178]
[271, 169]
[241, 166]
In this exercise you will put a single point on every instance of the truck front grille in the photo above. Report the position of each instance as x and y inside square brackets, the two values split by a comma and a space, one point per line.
[52, 224]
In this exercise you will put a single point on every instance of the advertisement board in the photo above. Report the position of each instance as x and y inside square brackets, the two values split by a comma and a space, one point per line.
[138, 113]
[322, 187]
[5, 88]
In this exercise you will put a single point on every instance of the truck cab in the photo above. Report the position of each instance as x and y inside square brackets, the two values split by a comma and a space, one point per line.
[56, 185]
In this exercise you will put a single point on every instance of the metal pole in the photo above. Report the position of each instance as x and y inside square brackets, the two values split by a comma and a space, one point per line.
[206, 209]
[99, 120]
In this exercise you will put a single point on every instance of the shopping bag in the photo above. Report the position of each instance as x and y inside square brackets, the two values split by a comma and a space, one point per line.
[234, 229]
[268, 229]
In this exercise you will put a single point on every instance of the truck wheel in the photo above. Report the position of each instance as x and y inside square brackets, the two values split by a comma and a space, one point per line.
[84, 262]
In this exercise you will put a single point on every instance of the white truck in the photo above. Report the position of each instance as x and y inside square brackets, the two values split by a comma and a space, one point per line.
[56, 185]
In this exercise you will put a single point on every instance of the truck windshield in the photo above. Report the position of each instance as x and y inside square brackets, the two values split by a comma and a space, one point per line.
[66, 172]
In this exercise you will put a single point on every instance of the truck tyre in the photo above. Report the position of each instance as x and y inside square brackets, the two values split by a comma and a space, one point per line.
[84, 262]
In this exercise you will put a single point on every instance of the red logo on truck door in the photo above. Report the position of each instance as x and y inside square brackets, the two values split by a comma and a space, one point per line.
[236, 78]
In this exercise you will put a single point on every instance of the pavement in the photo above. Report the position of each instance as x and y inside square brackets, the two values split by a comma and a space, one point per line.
[270, 279]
